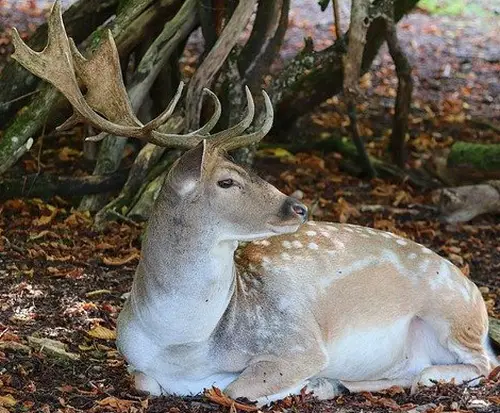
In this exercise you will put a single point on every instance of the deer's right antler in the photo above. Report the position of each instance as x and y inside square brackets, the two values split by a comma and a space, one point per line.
[106, 105]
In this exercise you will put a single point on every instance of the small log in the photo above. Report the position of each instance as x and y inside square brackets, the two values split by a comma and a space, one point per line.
[463, 203]
[466, 163]
[47, 186]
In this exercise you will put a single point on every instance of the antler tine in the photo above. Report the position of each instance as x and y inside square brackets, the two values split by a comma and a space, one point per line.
[191, 139]
[229, 143]
[162, 117]
[207, 127]
[239, 127]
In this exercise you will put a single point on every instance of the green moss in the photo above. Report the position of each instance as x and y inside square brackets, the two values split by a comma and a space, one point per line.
[481, 156]
[454, 8]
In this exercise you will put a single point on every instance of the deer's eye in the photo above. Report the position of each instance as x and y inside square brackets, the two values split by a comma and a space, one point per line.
[226, 183]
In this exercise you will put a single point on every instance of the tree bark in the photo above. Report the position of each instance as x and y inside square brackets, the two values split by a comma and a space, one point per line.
[268, 32]
[80, 20]
[403, 97]
[175, 31]
[312, 77]
[205, 74]
[351, 69]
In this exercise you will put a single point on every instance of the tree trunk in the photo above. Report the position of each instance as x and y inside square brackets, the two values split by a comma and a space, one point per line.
[312, 77]
[80, 20]
[157, 55]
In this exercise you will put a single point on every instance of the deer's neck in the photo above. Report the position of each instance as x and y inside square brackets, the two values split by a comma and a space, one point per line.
[184, 281]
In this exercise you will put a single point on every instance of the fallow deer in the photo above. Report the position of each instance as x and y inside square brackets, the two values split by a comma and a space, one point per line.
[319, 305]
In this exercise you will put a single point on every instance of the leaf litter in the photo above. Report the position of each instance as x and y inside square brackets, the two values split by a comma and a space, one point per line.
[63, 283]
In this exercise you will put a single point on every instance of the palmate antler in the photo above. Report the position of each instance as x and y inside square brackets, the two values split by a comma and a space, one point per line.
[106, 105]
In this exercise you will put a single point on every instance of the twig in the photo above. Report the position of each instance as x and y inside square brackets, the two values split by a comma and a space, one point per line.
[124, 218]
[336, 19]
[8, 103]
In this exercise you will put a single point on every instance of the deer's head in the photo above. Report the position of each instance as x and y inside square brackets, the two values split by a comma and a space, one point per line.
[236, 203]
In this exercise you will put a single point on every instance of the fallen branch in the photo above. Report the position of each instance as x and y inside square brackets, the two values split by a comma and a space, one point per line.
[47, 186]
[463, 203]
[312, 77]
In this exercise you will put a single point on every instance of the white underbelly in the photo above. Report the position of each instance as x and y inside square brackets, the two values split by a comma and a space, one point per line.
[398, 350]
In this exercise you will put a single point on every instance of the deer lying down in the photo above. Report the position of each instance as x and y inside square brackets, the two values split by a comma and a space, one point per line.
[319, 305]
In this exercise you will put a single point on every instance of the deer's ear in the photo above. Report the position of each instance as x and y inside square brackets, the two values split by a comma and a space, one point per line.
[187, 172]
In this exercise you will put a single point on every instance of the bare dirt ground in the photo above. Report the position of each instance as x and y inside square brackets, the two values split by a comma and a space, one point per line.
[60, 279]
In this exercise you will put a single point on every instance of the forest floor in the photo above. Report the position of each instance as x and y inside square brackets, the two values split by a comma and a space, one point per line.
[61, 280]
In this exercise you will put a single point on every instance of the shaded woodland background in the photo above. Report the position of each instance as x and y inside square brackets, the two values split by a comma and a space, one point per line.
[72, 213]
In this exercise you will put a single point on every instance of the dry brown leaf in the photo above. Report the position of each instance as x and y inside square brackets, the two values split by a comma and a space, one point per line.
[68, 154]
[495, 373]
[102, 333]
[45, 219]
[345, 210]
[120, 261]
[119, 405]
[7, 401]
[215, 395]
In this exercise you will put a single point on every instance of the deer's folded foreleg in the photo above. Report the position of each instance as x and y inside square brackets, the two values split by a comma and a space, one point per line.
[275, 378]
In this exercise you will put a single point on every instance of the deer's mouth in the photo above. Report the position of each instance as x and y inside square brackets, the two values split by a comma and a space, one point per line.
[284, 228]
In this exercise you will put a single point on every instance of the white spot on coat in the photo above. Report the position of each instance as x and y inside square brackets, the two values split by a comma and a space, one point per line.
[297, 244]
[312, 246]
[311, 233]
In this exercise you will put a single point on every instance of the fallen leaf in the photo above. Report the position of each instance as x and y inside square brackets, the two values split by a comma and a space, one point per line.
[102, 333]
[120, 405]
[52, 348]
[7, 401]
[120, 261]
[45, 219]
[215, 395]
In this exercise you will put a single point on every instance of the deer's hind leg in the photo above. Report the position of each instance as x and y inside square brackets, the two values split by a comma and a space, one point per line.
[462, 330]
